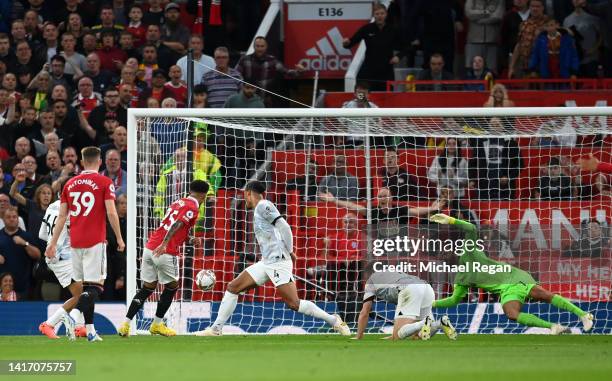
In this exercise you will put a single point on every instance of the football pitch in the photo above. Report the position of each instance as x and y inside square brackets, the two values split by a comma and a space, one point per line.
[322, 357]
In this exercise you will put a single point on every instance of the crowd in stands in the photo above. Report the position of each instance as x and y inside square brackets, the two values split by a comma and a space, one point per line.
[70, 69]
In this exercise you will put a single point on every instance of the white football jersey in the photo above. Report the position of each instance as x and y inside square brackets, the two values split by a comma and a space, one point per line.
[268, 237]
[47, 227]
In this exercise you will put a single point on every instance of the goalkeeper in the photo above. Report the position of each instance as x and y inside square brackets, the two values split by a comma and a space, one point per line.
[513, 287]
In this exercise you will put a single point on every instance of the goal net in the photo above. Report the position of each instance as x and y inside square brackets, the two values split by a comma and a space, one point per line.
[358, 186]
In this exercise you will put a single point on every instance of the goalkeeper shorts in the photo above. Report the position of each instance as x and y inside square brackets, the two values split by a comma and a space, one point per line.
[519, 292]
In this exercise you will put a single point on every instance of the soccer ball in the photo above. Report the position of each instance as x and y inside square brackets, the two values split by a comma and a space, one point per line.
[205, 280]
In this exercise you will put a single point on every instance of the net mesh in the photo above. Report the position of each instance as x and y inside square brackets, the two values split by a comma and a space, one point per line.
[516, 178]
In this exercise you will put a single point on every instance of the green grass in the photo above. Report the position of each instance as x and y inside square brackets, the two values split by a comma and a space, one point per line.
[318, 357]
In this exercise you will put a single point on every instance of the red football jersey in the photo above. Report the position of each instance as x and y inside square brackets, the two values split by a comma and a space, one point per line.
[85, 195]
[186, 210]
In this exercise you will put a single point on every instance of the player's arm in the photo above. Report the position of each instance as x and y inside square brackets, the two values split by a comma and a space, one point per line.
[459, 293]
[286, 234]
[113, 218]
[423, 210]
[59, 226]
[467, 227]
[593, 164]
[328, 197]
[364, 316]
[176, 226]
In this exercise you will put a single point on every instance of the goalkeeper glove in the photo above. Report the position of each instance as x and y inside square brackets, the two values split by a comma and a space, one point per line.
[442, 218]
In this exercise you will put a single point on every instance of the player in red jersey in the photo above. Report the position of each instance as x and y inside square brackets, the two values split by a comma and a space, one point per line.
[89, 198]
[160, 258]
[593, 164]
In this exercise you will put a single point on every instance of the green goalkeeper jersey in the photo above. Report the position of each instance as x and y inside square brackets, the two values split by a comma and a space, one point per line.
[499, 283]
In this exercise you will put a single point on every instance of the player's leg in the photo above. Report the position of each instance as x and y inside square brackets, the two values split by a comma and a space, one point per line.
[281, 274]
[411, 300]
[250, 278]
[168, 272]
[63, 272]
[149, 277]
[541, 294]
[94, 274]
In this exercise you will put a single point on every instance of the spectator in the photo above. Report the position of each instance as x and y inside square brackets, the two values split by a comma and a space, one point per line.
[51, 45]
[66, 120]
[554, 185]
[382, 49]
[90, 43]
[200, 97]
[167, 56]
[437, 21]
[47, 126]
[340, 184]
[603, 10]
[19, 255]
[496, 164]
[70, 7]
[385, 215]
[31, 23]
[75, 26]
[155, 14]
[435, 72]
[484, 31]
[5, 203]
[172, 182]
[450, 169]
[174, 34]
[202, 63]
[27, 126]
[100, 78]
[22, 149]
[95, 127]
[592, 241]
[7, 108]
[306, 183]
[247, 98]
[136, 27]
[9, 83]
[557, 133]
[265, 70]
[528, 32]
[119, 143]
[343, 253]
[4, 184]
[176, 86]
[222, 83]
[478, 72]
[86, 98]
[24, 60]
[7, 285]
[71, 168]
[76, 63]
[120, 12]
[157, 90]
[6, 53]
[33, 179]
[114, 171]
[34, 208]
[111, 57]
[58, 76]
[587, 30]
[402, 185]
[148, 64]
[107, 24]
[53, 164]
[499, 97]
[554, 53]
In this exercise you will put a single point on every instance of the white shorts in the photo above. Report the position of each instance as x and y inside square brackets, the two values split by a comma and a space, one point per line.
[279, 273]
[62, 270]
[89, 265]
[163, 269]
[415, 301]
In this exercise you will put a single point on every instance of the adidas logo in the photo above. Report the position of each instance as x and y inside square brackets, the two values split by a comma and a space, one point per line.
[328, 54]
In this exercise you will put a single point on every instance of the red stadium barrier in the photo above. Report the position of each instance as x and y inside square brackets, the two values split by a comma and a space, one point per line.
[532, 83]
[521, 98]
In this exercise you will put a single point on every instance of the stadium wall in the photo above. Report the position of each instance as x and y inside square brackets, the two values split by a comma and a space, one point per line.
[23, 318]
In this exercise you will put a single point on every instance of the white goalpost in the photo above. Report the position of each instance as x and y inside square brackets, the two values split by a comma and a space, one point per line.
[346, 177]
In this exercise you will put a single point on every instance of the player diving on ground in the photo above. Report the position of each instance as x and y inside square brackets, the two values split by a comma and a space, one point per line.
[413, 298]
[275, 240]
[513, 288]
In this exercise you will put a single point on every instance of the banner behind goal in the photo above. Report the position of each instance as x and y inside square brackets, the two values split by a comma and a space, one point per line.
[341, 178]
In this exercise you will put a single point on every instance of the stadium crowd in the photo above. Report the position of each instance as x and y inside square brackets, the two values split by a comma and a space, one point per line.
[69, 69]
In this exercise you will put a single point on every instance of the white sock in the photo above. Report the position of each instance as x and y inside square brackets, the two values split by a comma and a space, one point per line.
[309, 308]
[90, 329]
[157, 320]
[56, 317]
[77, 316]
[226, 309]
[410, 329]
